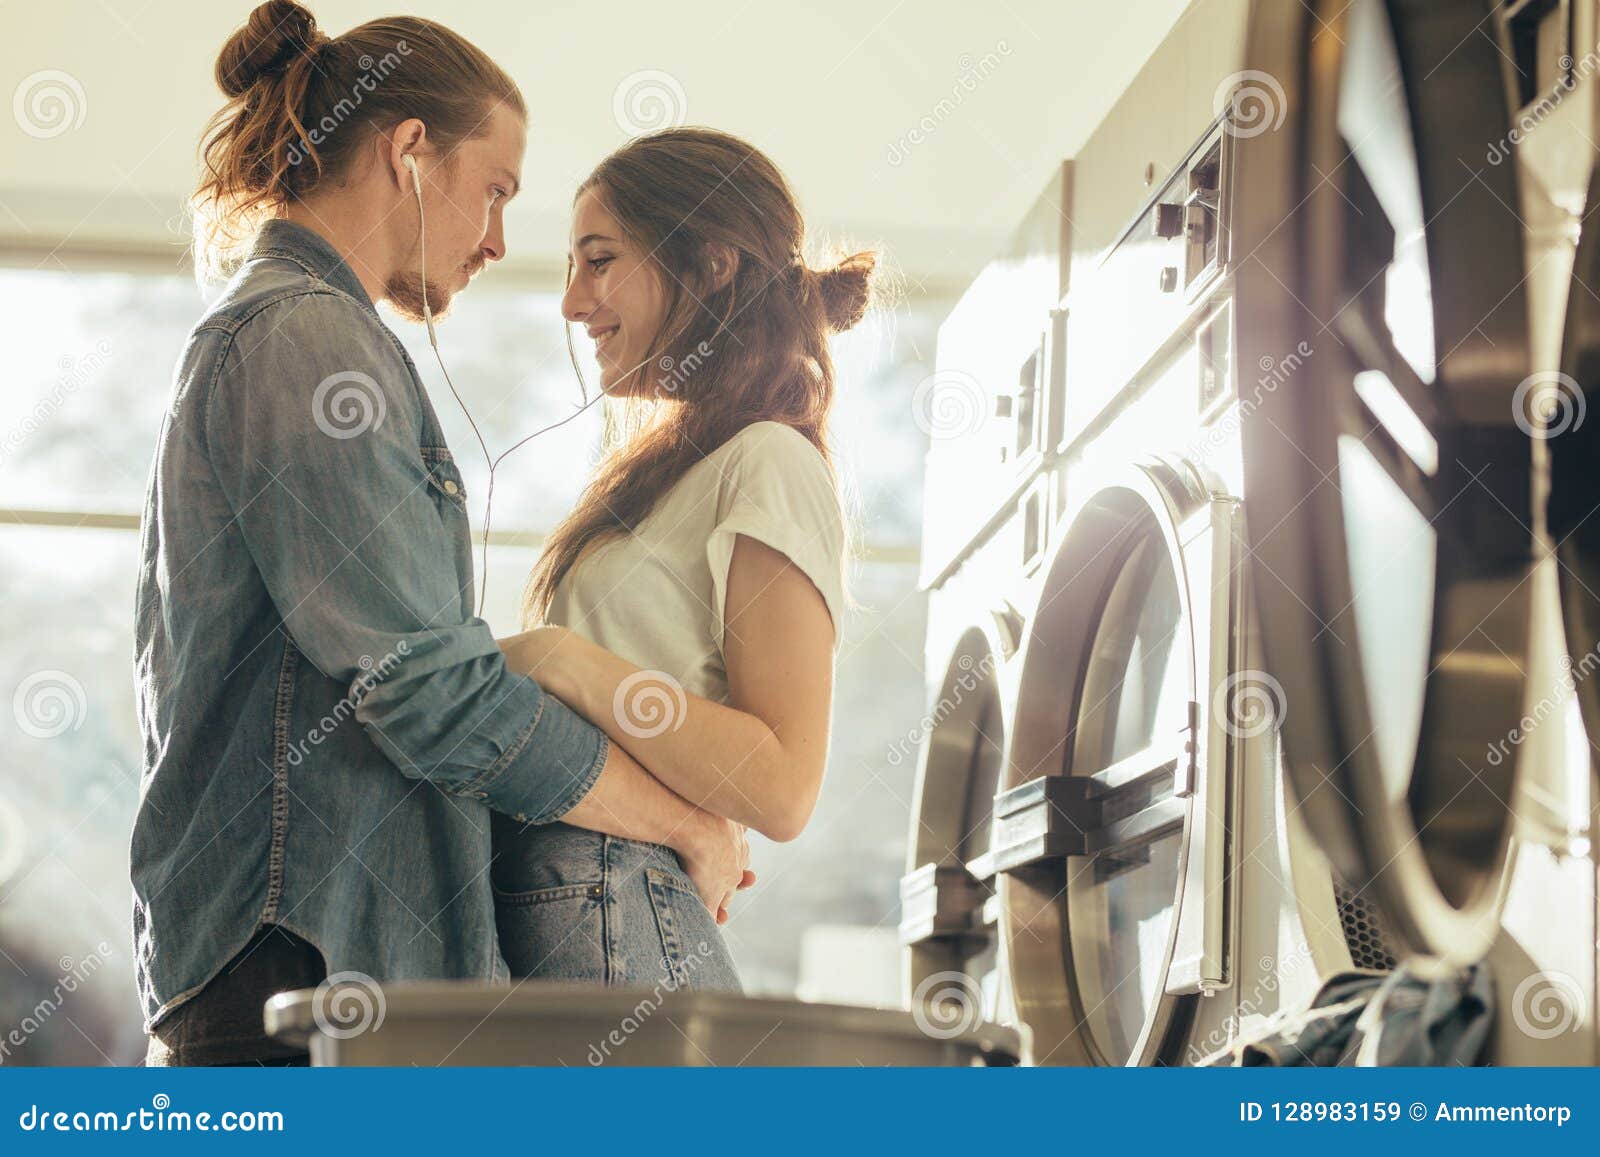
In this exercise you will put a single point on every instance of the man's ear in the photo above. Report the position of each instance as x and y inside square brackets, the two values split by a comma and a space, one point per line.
[409, 137]
[723, 262]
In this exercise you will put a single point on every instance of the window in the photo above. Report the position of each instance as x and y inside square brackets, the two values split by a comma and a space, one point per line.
[1122, 899]
[78, 423]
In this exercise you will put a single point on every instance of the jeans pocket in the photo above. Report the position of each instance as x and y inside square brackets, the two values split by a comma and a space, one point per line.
[553, 933]
[536, 861]
[693, 953]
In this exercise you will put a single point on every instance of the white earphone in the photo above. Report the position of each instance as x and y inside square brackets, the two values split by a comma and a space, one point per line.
[410, 162]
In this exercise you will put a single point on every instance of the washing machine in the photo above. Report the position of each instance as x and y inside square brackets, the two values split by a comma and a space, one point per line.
[1103, 848]
[1417, 507]
[985, 518]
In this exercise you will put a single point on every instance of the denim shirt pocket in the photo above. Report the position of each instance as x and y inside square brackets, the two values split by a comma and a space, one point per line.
[444, 477]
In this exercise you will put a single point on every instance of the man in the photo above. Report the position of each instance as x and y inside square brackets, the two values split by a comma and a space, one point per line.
[326, 724]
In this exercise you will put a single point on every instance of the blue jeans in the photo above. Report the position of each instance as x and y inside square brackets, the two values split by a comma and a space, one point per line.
[571, 904]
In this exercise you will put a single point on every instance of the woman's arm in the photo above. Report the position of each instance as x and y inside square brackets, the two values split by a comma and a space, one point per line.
[758, 760]
[628, 801]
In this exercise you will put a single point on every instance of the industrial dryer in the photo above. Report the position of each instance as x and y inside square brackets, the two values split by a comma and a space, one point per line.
[1232, 544]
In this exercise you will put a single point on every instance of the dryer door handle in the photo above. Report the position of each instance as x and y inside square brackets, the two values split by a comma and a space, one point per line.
[1055, 816]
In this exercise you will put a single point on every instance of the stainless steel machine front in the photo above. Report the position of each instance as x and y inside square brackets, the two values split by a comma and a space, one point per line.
[1241, 590]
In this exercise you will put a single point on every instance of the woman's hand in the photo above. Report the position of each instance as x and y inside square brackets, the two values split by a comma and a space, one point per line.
[714, 852]
[746, 876]
[545, 654]
[722, 908]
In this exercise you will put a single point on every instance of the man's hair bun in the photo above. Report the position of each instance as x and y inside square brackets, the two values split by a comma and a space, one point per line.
[276, 33]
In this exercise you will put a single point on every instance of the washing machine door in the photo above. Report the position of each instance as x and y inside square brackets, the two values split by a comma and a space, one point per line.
[948, 919]
[1389, 473]
[1560, 407]
[1104, 844]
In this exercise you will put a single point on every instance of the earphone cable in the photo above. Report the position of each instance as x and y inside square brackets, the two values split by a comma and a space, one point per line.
[433, 340]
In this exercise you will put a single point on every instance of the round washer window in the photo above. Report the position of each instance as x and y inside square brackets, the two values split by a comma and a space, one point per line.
[1121, 901]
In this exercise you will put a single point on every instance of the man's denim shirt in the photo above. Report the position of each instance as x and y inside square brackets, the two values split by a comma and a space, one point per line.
[326, 724]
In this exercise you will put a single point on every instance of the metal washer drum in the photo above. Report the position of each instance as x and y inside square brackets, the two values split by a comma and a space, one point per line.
[1391, 487]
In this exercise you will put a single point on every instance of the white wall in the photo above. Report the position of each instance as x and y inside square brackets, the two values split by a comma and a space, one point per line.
[837, 91]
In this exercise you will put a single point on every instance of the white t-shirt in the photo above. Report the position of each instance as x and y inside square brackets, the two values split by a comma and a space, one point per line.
[656, 597]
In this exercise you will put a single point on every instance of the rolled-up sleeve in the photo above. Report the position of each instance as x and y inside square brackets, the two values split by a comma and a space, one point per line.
[313, 429]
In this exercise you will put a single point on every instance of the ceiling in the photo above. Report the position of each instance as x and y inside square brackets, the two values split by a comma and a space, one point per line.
[926, 127]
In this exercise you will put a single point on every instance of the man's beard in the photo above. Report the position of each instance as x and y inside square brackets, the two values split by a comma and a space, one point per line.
[404, 294]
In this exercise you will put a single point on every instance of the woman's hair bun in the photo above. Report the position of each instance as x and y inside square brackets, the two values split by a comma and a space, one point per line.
[845, 290]
[276, 33]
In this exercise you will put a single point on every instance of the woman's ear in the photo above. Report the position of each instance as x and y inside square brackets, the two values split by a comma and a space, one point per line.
[724, 261]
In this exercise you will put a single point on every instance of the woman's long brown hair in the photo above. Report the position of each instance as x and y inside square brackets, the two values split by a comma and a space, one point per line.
[752, 349]
[302, 105]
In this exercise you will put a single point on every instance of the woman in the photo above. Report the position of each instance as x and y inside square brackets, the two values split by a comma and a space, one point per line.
[691, 600]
